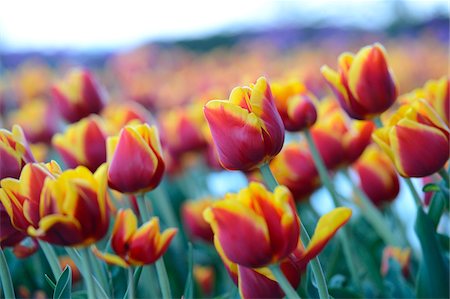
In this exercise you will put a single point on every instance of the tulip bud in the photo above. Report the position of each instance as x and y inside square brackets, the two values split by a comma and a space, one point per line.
[135, 160]
[364, 84]
[404, 137]
[195, 225]
[77, 96]
[247, 129]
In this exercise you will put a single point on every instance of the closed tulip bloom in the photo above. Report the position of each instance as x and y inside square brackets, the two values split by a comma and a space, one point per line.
[77, 95]
[247, 129]
[136, 246]
[404, 137]
[73, 210]
[135, 159]
[194, 223]
[268, 222]
[22, 197]
[294, 168]
[14, 152]
[117, 115]
[364, 83]
[260, 282]
[377, 176]
[83, 143]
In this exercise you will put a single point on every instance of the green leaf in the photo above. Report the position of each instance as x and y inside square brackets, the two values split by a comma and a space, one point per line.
[343, 293]
[396, 283]
[433, 275]
[189, 286]
[431, 187]
[50, 281]
[63, 287]
[80, 295]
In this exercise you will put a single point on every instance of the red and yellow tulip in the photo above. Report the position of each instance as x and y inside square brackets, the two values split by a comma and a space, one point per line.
[77, 95]
[73, 209]
[194, 223]
[14, 152]
[294, 168]
[117, 115]
[247, 129]
[403, 139]
[204, 276]
[255, 227]
[83, 143]
[401, 256]
[377, 176]
[135, 159]
[9, 235]
[136, 246]
[364, 83]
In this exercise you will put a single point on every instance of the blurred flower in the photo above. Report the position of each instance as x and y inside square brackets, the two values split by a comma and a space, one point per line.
[135, 160]
[403, 139]
[9, 235]
[255, 227]
[294, 168]
[194, 223]
[377, 176]
[119, 114]
[32, 80]
[73, 208]
[204, 276]
[401, 256]
[22, 197]
[37, 119]
[246, 129]
[77, 95]
[67, 261]
[40, 151]
[295, 105]
[14, 152]
[364, 84]
[83, 143]
[260, 282]
[181, 129]
[136, 246]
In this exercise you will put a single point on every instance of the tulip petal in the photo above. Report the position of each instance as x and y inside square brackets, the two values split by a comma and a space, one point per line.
[110, 258]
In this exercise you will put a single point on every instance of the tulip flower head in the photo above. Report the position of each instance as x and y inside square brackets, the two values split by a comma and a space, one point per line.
[136, 246]
[9, 235]
[401, 256]
[119, 114]
[14, 152]
[194, 223]
[77, 95]
[73, 210]
[364, 83]
[83, 143]
[405, 136]
[269, 220]
[135, 159]
[247, 129]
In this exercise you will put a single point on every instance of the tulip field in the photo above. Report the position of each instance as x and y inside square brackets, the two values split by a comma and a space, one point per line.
[252, 171]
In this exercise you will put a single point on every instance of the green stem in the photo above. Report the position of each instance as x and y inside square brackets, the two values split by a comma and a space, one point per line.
[131, 293]
[135, 280]
[372, 214]
[315, 263]
[99, 271]
[52, 258]
[283, 282]
[413, 191]
[444, 175]
[5, 277]
[326, 181]
[160, 267]
[88, 273]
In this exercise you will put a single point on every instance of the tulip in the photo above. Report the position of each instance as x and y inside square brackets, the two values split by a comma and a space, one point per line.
[204, 276]
[119, 114]
[22, 197]
[364, 84]
[14, 152]
[295, 105]
[73, 210]
[294, 168]
[37, 119]
[65, 261]
[260, 283]
[135, 160]
[194, 223]
[377, 175]
[136, 246]
[401, 256]
[269, 220]
[247, 129]
[83, 143]
[77, 95]
[9, 235]
[181, 130]
[404, 136]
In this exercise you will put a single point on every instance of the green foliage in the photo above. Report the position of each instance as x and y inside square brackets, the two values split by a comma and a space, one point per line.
[63, 286]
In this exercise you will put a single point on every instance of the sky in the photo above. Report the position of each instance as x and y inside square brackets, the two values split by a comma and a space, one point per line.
[102, 24]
